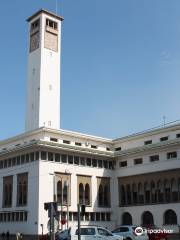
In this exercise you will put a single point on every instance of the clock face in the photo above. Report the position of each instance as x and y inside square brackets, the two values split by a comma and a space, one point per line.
[34, 42]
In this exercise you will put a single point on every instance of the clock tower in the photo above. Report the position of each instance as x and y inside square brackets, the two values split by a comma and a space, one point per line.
[43, 85]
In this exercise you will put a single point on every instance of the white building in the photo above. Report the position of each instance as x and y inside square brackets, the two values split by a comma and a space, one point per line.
[134, 179]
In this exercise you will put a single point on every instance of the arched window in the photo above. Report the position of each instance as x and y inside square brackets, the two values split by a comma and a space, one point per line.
[160, 192]
[170, 217]
[106, 196]
[134, 191]
[81, 193]
[87, 194]
[167, 190]
[100, 196]
[65, 188]
[59, 192]
[153, 193]
[147, 192]
[174, 190]
[147, 218]
[140, 193]
[126, 219]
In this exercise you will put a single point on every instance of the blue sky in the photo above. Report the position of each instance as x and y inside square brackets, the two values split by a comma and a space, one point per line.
[120, 64]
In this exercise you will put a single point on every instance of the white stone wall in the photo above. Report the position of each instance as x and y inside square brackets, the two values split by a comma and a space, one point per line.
[29, 227]
[46, 189]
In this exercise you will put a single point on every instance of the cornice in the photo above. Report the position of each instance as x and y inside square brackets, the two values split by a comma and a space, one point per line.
[147, 148]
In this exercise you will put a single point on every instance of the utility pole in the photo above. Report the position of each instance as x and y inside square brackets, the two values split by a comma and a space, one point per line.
[67, 204]
[79, 221]
[51, 222]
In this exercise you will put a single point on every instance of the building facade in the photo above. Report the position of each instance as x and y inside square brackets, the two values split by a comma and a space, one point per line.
[130, 180]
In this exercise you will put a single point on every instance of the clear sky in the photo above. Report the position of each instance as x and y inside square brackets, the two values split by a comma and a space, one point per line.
[120, 64]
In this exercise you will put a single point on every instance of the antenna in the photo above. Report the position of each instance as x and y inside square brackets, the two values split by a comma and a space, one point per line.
[56, 7]
[164, 120]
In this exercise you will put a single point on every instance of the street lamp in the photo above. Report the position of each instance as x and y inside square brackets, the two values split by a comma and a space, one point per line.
[42, 227]
[55, 195]
[67, 172]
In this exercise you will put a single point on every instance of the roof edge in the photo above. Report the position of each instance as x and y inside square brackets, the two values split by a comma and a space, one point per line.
[46, 12]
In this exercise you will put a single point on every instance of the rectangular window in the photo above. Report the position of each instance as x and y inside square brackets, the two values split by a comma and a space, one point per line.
[1, 164]
[25, 216]
[36, 156]
[5, 163]
[88, 162]
[123, 164]
[138, 161]
[94, 146]
[154, 158]
[78, 144]
[171, 155]
[57, 157]
[100, 163]
[70, 159]
[118, 149]
[13, 216]
[50, 157]
[9, 162]
[75, 216]
[94, 162]
[64, 158]
[14, 161]
[18, 160]
[108, 216]
[178, 135]
[82, 161]
[162, 139]
[66, 142]
[7, 191]
[17, 216]
[32, 157]
[97, 216]
[148, 142]
[43, 155]
[35, 24]
[21, 217]
[92, 216]
[54, 139]
[22, 159]
[105, 164]
[111, 165]
[27, 158]
[76, 160]
[51, 24]
[22, 189]
[103, 216]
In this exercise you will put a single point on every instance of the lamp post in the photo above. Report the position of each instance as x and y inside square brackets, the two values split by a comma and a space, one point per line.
[42, 227]
[67, 185]
[51, 215]
[55, 195]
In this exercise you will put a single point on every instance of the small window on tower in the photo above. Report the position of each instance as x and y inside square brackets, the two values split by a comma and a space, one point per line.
[35, 24]
[51, 24]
